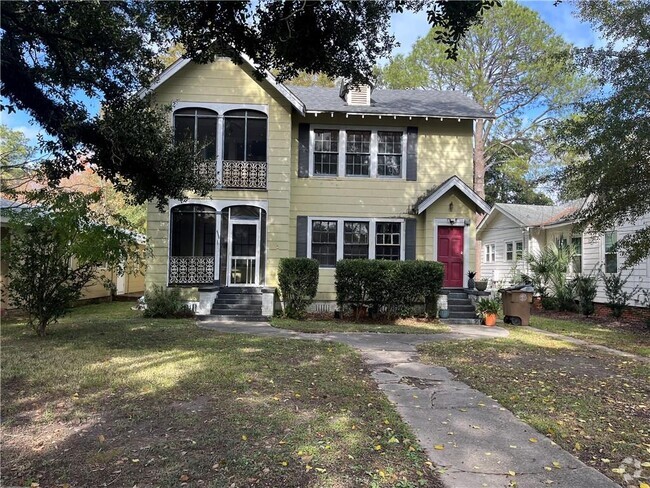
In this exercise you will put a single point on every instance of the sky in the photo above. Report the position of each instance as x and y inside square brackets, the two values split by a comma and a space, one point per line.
[407, 28]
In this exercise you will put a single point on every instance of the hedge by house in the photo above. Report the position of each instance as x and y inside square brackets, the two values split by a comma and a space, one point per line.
[298, 281]
[391, 287]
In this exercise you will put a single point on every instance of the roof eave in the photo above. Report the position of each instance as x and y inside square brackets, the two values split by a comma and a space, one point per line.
[394, 115]
[452, 182]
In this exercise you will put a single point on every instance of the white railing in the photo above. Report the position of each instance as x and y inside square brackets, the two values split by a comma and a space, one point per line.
[242, 270]
[191, 270]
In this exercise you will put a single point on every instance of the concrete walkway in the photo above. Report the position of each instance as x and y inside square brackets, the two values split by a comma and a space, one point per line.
[472, 440]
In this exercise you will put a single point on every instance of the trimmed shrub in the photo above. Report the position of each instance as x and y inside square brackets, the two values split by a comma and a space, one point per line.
[392, 287]
[617, 297]
[166, 303]
[585, 289]
[298, 280]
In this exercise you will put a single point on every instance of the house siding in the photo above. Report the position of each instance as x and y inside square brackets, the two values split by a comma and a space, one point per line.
[224, 82]
[503, 229]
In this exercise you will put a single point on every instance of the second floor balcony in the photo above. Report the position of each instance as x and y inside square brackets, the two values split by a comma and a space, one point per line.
[235, 175]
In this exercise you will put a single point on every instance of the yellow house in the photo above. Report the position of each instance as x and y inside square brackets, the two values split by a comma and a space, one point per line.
[326, 173]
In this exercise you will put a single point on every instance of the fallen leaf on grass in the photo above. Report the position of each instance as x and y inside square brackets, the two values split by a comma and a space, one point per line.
[644, 485]
[184, 477]
[393, 440]
[439, 447]
[618, 470]
[511, 473]
[244, 438]
[378, 447]
[532, 439]
[557, 464]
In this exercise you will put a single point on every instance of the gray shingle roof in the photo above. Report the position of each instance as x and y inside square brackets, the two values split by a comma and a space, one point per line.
[432, 103]
[536, 215]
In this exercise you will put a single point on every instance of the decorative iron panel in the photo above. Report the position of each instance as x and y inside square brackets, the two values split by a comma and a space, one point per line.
[207, 169]
[244, 174]
[191, 270]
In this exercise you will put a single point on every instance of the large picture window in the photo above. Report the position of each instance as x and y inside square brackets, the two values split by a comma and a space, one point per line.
[198, 125]
[244, 137]
[323, 242]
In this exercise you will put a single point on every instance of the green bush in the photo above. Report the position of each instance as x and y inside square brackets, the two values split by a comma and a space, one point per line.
[617, 298]
[298, 280]
[391, 287]
[585, 289]
[165, 303]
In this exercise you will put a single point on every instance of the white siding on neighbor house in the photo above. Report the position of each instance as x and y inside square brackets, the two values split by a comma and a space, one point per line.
[594, 259]
[500, 231]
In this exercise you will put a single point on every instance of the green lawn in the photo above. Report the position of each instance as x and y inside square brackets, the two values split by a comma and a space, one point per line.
[110, 397]
[591, 403]
[400, 326]
[637, 342]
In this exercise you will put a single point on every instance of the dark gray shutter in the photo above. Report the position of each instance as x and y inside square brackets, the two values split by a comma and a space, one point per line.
[409, 237]
[303, 150]
[411, 153]
[301, 237]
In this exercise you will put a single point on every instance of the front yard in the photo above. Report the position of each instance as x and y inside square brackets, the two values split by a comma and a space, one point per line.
[398, 326]
[111, 398]
[595, 405]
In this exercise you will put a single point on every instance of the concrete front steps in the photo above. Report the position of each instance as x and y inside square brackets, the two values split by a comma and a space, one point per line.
[237, 304]
[461, 310]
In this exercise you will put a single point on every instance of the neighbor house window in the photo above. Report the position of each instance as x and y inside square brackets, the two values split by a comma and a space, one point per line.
[389, 154]
[244, 137]
[611, 258]
[387, 240]
[510, 251]
[326, 152]
[357, 153]
[333, 239]
[198, 125]
[576, 260]
[489, 253]
[519, 250]
[323, 242]
[355, 240]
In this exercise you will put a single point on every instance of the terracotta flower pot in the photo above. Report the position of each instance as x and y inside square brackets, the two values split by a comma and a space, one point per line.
[490, 319]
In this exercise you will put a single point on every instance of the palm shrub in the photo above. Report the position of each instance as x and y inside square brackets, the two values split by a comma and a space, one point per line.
[585, 289]
[617, 297]
[298, 281]
[549, 268]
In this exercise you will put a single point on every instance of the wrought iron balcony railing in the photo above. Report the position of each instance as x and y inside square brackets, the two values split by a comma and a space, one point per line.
[191, 270]
[235, 175]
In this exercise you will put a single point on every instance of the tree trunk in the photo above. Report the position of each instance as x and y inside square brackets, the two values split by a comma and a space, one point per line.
[40, 329]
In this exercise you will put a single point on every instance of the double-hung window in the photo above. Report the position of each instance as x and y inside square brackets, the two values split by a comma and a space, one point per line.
[489, 253]
[611, 257]
[357, 153]
[341, 238]
[323, 242]
[514, 250]
[576, 260]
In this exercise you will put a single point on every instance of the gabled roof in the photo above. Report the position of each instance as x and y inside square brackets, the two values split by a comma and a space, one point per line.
[180, 63]
[535, 215]
[422, 103]
[447, 185]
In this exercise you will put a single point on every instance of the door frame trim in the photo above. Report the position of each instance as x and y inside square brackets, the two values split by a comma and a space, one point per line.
[258, 236]
[459, 222]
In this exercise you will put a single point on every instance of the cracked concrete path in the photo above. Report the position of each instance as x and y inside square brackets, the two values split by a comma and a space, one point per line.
[472, 440]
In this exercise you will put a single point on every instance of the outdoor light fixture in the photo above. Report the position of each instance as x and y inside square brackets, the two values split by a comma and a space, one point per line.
[452, 221]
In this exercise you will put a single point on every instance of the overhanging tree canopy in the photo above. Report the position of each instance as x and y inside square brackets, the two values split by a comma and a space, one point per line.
[53, 52]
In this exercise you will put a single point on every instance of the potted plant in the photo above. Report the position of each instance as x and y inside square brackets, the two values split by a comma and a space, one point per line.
[481, 285]
[470, 281]
[487, 309]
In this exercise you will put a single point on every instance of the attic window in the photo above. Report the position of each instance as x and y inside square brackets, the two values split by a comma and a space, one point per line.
[358, 95]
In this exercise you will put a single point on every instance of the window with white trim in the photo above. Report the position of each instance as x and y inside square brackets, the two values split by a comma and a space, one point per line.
[576, 259]
[332, 239]
[388, 240]
[514, 250]
[323, 242]
[357, 151]
[489, 253]
[611, 256]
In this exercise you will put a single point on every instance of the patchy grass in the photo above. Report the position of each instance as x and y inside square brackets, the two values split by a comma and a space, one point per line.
[592, 404]
[636, 342]
[112, 398]
[399, 326]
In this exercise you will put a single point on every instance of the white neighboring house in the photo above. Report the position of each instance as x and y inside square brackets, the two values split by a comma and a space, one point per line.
[512, 230]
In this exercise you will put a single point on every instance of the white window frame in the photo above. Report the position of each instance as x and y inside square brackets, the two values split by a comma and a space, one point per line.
[487, 254]
[605, 253]
[514, 257]
[374, 150]
[372, 237]
[581, 254]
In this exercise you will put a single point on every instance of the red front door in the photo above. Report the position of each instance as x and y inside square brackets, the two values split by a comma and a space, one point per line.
[450, 254]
